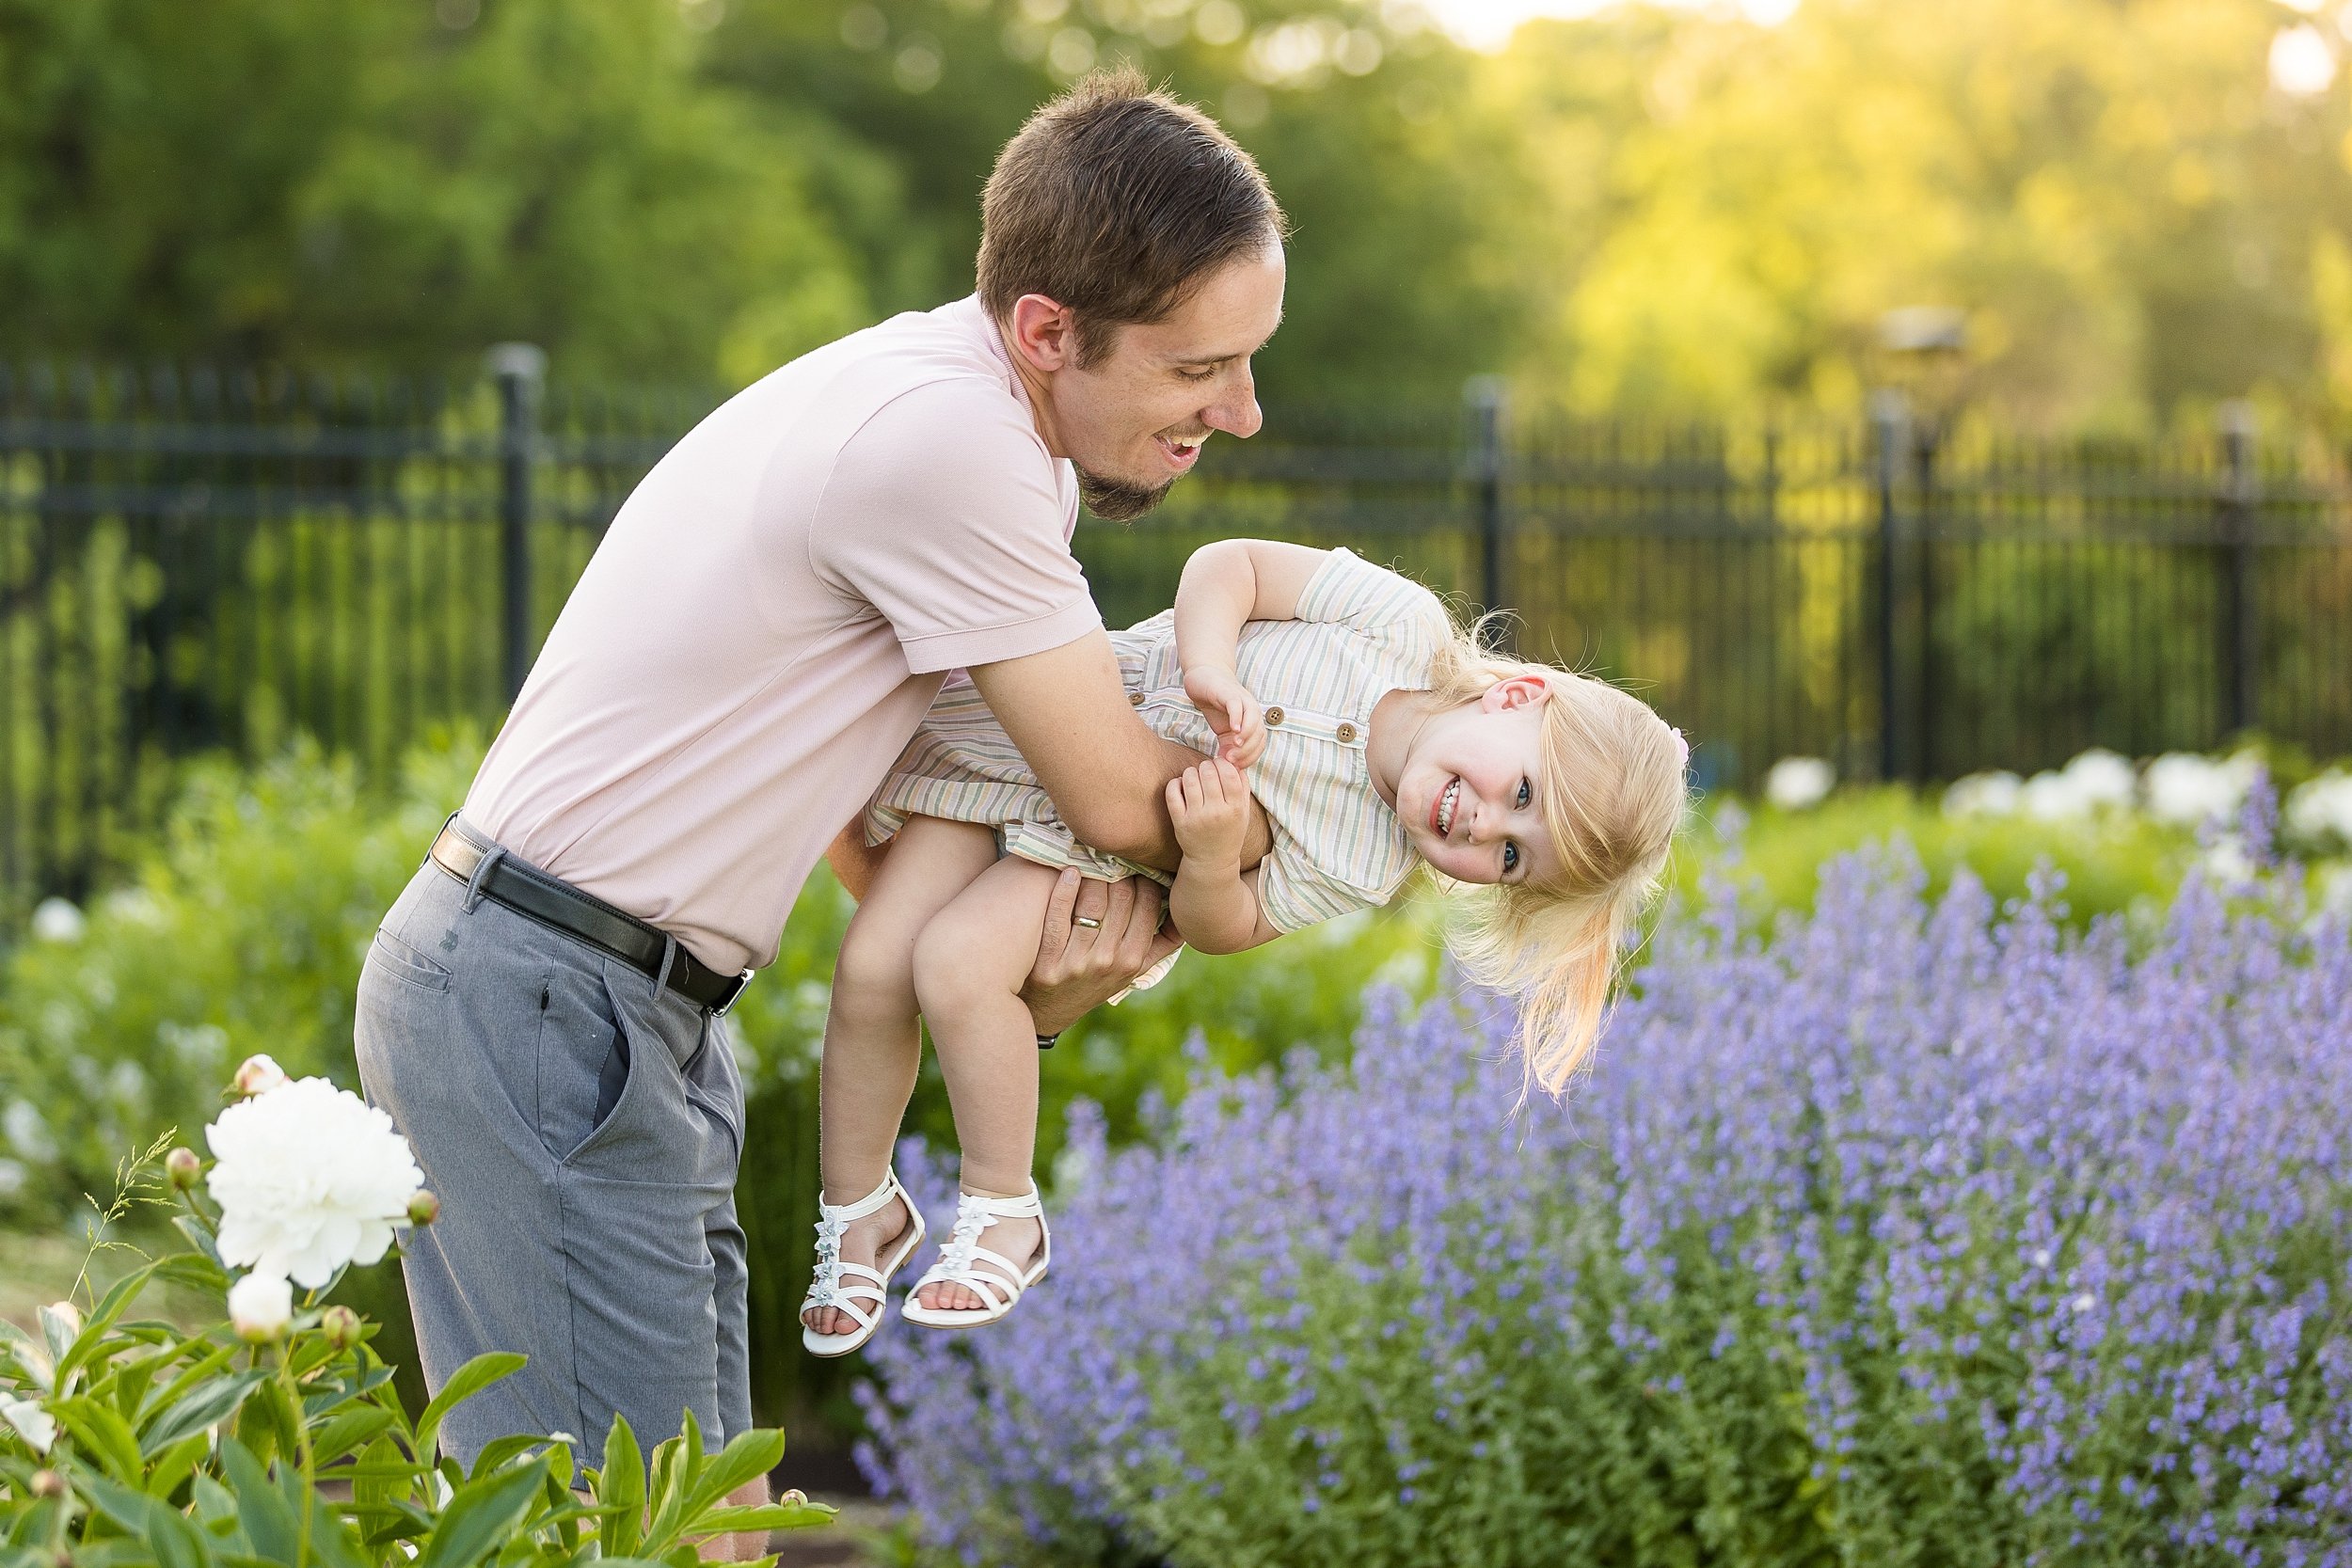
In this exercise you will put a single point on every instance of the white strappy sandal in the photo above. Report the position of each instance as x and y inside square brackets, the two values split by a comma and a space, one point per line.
[974, 1216]
[845, 1286]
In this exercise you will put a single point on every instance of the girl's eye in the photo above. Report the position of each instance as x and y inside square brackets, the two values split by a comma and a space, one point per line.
[1197, 375]
[1527, 793]
[1510, 859]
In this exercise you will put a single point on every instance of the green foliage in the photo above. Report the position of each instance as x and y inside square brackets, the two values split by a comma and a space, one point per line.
[1668, 210]
[132, 1443]
[2115, 864]
[330, 182]
[242, 929]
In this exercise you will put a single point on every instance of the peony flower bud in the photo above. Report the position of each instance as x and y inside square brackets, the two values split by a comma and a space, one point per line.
[47, 1483]
[259, 1075]
[182, 1168]
[341, 1325]
[423, 1209]
[260, 1306]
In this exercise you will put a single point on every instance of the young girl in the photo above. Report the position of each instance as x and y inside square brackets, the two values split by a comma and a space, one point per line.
[1382, 739]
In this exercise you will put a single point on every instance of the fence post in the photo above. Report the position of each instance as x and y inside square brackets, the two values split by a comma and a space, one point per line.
[1889, 416]
[1484, 398]
[520, 370]
[2236, 516]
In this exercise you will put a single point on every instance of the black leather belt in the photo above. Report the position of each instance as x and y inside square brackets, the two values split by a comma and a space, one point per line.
[536, 895]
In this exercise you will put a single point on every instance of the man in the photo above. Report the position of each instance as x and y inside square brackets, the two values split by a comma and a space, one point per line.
[754, 640]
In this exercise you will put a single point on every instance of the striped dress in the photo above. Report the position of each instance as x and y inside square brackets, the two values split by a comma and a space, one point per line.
[1361, 632]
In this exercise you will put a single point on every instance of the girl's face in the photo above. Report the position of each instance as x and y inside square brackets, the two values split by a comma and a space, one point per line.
[1470, 789]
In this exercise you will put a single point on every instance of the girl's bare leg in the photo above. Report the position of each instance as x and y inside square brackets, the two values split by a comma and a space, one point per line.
[970, 963]
[872, 1044]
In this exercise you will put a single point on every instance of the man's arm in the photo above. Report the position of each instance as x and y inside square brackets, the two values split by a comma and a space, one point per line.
[1105, 769]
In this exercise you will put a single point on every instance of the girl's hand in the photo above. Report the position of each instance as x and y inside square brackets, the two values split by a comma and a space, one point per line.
[1209, 805]
[1232, 712]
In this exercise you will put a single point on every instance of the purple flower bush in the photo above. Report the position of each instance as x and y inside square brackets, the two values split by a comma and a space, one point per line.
[1923, 1232]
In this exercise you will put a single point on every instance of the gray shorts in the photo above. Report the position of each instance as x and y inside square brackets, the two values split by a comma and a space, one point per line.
[582, 1130]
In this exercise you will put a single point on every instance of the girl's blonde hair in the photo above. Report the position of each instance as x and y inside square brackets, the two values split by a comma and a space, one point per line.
[1614, 795]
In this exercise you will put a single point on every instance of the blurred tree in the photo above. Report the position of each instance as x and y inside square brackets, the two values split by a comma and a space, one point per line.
[399, 183]
[1361, 118]
[2126, 206]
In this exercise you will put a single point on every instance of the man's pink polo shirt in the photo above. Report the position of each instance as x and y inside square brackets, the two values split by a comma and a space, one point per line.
[768, 619]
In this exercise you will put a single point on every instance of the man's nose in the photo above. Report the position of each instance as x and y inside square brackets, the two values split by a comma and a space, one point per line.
[1236, 412]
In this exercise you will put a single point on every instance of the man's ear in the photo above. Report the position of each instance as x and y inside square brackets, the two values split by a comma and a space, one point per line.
[1517, 692]
[1043, 333]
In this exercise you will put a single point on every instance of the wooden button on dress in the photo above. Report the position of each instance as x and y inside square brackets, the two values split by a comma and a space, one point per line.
[1347, 733]
[1274, 716]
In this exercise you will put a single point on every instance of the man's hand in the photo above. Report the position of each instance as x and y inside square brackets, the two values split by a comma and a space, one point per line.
[1236, 716]
[1209, 805]
[1081, 967]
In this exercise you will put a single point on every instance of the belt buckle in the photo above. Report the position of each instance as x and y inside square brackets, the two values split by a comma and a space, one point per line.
[720, 1008]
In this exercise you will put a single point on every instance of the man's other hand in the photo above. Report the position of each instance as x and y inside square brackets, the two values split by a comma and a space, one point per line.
[1079, 967]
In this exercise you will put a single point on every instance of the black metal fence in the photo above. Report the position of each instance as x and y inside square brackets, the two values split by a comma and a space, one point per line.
[207, 560]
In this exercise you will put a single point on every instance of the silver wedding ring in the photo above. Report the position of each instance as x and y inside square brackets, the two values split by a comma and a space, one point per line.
[1090, 924]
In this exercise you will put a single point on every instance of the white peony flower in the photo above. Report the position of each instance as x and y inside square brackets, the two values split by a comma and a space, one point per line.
[1984, 795]
[2096, 780]
[310, 1177]
[260, 1306]
[2227, 863]
[2321, 806]
[2188, 790]
[34, 1424]
[57, 920]
[1799, 783]
[257, 1074]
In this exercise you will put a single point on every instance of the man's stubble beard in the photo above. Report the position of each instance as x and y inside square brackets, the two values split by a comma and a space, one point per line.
[1115, 500]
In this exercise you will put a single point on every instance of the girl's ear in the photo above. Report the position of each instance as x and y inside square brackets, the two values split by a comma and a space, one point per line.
[1517, 692]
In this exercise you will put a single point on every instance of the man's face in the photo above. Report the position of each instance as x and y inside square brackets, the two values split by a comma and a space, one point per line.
[1133, 422]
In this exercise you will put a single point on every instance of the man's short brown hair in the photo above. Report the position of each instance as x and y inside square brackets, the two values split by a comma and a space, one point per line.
[1117, 202]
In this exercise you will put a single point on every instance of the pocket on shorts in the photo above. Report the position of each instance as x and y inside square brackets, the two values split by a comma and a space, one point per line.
[392, 957]
[583, 1058]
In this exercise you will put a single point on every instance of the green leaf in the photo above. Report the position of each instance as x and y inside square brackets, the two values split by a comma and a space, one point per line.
[330, 1536]
[504, 1449]
[467, 1381]
[105, 1435]
[622, 1483]
[166, 1531]
[752, 1455]
[269, 1524]
[763, 1516]
[197, 1372]
[200, 1236]
[682, 1556]
[92, 1338]
[480, 1517]
[344, 1390]
[348, 1431]
[176, 1463]
[266, 1423]
[201, 1407]
[215, 1503]
[197, 1273]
